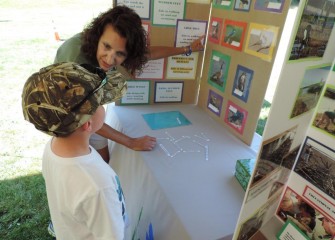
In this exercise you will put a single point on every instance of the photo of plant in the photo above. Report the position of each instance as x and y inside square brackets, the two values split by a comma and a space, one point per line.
[215, 27]
[314, 30]
[218, 70]
[233, 34]
[214, 103]
[310, 89]
[242, 82]
[261, 40]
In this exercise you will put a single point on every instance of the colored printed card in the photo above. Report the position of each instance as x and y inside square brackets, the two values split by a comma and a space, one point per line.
[163, 120]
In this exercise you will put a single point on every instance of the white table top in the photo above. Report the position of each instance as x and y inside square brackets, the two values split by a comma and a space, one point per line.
[204, 193]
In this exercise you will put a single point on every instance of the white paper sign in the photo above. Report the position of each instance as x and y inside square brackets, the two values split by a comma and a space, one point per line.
[182, 67]
[142, 8]
[137, 93]
[168, 91]
[188, 31]
[167, 12]
[154, 69]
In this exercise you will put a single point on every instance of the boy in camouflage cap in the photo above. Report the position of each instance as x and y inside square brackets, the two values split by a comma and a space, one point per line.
[84, 194]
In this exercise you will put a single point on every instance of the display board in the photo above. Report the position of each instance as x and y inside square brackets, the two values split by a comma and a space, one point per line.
[292, 186]
[240, 52]
[174, 79]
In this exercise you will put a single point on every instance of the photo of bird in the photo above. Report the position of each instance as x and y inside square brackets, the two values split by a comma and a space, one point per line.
[217, 75]
[230, 35]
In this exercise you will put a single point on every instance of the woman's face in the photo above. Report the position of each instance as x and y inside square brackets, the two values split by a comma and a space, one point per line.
[111, 49]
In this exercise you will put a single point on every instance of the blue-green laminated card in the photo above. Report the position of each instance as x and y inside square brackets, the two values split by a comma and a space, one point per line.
[163, 120]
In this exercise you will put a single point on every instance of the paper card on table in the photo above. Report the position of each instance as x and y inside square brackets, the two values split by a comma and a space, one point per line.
[163, 120]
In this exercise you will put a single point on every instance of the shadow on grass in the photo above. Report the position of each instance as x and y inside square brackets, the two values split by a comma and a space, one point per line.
[24, 212]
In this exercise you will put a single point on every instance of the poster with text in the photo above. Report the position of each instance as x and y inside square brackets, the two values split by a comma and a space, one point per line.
[235, 117]
[153, 69]
[138, 93]
[269, 5]
[166, 13]
[214, 102]
[218, 70]
[182, 67]
[142, 8]
[242, 82]
[314, 30]
[215, 29]
[233, 34]
[261, 40]
[168, 92]
[310, 89]
[188, 31]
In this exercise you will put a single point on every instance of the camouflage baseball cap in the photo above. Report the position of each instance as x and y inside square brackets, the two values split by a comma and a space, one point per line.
[63, 96]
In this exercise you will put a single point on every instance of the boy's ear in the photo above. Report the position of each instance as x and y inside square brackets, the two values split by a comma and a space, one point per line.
[87, 126]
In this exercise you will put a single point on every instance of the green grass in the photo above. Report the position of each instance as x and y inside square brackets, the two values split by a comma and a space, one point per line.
[263, 117]
[27, 43]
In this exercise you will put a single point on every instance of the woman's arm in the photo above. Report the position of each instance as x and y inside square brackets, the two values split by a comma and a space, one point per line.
[157, 52]
[145, 143]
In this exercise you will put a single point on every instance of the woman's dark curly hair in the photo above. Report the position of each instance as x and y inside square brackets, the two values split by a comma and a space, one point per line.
[127, 24]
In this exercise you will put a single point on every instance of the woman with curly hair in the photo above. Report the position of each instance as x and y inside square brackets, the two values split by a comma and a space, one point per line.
[116, 37]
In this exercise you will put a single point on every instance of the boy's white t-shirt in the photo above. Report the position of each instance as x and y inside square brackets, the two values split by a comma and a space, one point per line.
[84, 196]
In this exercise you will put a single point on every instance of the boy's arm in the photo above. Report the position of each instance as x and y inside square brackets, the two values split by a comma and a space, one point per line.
[144, 143]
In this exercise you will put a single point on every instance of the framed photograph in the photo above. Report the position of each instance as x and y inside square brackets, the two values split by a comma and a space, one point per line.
[215, 29]
[314, 30]
[233, 34]
[223, 4]
[242, 82]
[142, 8]
[138, 93]
[218, 70]
[325, 114]
[310, 89]
[171, 92]
[214, 102]
[236, 117]
[242, 5]
[269, 5]
[261, 40]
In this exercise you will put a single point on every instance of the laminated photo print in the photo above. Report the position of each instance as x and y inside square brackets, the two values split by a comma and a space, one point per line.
[214, 103]
[242, 5]
[233, 34]
[218, 70]
[236, 117]
[242, 83]
[215, 27]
